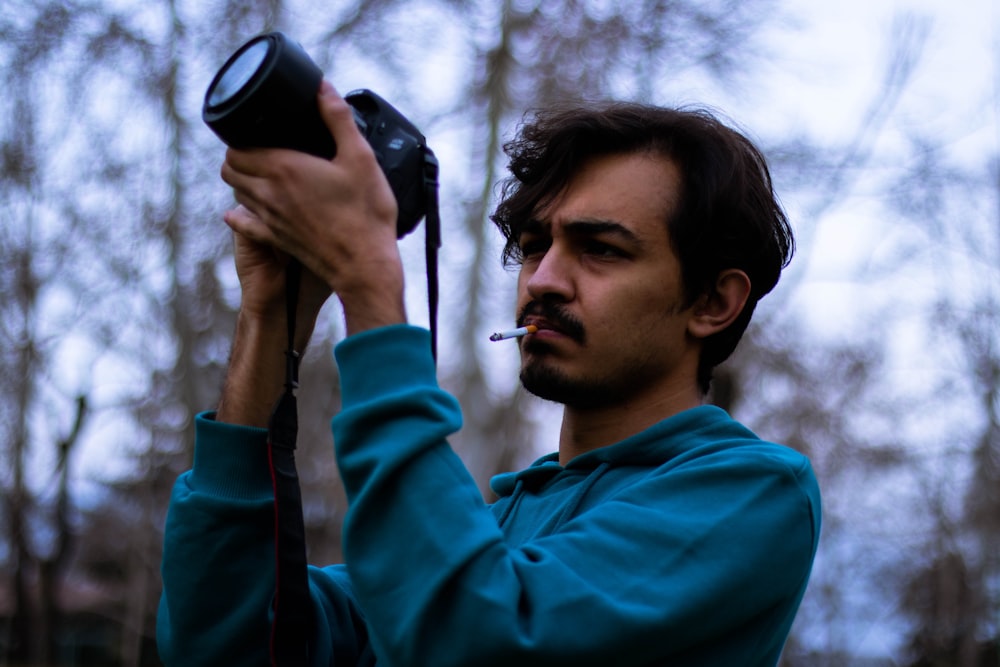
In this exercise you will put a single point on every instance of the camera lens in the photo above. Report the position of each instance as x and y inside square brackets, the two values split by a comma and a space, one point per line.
[265, 95]
[239, 72]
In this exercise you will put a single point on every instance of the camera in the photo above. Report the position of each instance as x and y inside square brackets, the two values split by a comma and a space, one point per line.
[265, 96]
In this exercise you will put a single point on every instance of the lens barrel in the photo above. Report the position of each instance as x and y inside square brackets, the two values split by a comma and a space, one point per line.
[264, 96]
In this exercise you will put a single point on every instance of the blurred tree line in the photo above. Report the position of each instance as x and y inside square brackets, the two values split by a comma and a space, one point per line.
[117, 300]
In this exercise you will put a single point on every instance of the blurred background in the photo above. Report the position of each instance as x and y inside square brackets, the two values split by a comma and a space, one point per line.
[878, 355]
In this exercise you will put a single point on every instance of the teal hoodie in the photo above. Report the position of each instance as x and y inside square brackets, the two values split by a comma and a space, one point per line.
[689, 543]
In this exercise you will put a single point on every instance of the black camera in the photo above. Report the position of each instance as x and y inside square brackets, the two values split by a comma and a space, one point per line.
[265, 96]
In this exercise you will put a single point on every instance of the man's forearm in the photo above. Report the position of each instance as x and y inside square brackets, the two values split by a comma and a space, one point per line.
[256, 374]
[374, 296]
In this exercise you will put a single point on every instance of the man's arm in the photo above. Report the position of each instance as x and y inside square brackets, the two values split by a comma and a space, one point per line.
[338, 219]
[218, 553]
[218, 557]
[255, 375]
[701, 562]
[218, 564]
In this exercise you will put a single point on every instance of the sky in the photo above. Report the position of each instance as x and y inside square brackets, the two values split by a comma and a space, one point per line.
[822, 82]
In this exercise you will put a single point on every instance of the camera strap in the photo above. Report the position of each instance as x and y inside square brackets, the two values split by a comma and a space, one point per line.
[432, 240]
[291, 606]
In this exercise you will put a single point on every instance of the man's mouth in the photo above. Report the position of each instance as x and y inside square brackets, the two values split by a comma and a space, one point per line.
[551, 319]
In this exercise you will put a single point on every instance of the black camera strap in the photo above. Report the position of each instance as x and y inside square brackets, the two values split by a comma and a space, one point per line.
[432, 240]
[291, 607]
[292, 612]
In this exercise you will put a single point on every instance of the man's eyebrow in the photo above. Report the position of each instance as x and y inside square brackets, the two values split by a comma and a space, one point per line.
[583, 227]
[594, 227]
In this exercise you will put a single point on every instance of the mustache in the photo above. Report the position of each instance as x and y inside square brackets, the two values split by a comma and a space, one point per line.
[555, 317]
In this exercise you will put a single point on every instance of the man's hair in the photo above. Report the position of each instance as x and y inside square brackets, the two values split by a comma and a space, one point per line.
[727, 215]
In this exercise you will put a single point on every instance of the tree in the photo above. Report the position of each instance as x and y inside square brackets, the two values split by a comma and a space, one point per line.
[31, 331]
[951, 594]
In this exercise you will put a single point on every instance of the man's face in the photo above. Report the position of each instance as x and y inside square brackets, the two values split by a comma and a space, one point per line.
[602, 283]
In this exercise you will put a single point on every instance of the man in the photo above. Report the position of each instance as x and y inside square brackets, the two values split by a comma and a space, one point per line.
[662, 532]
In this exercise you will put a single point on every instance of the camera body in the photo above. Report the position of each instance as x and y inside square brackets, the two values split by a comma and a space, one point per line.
[265, 96]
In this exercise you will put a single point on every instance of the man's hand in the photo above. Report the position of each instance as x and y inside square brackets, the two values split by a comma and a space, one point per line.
[262, 271]
[337, 217]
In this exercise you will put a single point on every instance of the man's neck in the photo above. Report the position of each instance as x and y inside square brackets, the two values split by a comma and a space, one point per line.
[586, 429]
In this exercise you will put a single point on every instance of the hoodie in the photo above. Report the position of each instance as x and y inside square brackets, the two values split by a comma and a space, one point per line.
[689, 543]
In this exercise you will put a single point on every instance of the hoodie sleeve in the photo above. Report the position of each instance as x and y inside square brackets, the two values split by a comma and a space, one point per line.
[719, 548]
[218, 563]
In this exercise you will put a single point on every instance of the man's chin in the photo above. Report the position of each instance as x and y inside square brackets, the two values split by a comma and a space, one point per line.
[550, 384]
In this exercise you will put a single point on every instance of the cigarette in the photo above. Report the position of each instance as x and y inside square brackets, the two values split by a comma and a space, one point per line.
[515, 333]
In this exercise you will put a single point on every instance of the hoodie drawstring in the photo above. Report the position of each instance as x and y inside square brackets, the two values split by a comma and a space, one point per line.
[568, 510]
[574, 503]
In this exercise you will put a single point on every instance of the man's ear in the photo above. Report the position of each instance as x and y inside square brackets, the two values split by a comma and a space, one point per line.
[716, 310]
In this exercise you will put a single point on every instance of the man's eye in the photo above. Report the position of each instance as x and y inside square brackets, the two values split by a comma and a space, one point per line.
[532, 247]
[600, 249]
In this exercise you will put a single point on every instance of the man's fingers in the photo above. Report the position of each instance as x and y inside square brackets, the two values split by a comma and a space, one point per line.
[339, 118]
[241, 166]
[252, 192]
[244, 222]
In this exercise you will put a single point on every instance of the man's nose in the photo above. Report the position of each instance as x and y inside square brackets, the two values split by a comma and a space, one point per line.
[552, 276]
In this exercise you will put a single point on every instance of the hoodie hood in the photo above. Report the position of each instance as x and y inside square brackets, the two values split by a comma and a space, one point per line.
[665, 440]
[541, 499]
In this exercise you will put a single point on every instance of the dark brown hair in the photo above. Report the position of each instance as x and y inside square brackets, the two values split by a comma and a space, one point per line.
[727, 217]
